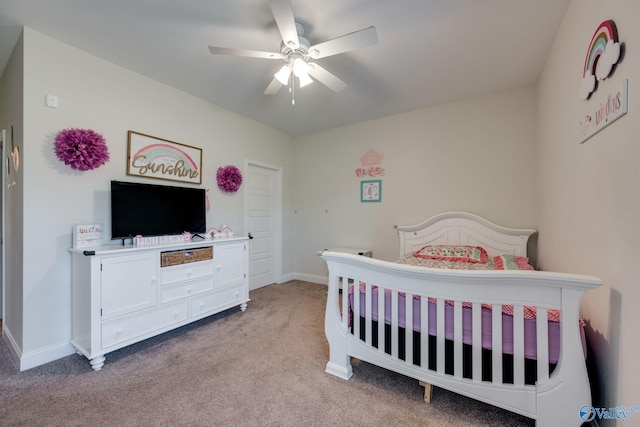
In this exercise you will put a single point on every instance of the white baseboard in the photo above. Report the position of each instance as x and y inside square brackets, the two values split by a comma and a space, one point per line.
[12, 345]
[322, 280]
[39, 357]
[287, 277]
[45, 355]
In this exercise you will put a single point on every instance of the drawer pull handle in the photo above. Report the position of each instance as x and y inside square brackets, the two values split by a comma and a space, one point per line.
[189, 289]
[175, 314]
[118, 332]
[189, 272]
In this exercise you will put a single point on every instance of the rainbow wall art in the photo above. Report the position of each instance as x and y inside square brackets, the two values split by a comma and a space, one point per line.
[603, 53]
[158, 158]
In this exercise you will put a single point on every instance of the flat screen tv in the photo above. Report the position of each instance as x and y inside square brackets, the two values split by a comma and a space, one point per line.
[155, 210]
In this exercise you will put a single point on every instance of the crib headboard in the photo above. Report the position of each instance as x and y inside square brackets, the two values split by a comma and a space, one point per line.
[463, 228]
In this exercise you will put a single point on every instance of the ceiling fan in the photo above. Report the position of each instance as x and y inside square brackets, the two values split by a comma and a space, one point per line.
[298, 53]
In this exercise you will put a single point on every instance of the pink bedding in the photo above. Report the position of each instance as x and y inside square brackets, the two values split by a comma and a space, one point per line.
[502, 262]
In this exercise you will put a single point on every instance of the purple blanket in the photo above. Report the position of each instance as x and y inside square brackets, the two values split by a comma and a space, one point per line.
[507, 325]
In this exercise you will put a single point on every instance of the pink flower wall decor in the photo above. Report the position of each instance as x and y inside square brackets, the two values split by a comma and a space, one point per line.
[81, 149]
[229, 178]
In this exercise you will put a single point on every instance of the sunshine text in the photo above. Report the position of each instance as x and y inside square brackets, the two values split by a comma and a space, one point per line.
[169, 169]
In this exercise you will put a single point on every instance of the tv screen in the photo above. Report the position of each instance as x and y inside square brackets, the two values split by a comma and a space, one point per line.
[155, 210]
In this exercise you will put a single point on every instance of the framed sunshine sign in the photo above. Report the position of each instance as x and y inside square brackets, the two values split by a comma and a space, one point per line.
[153, 157]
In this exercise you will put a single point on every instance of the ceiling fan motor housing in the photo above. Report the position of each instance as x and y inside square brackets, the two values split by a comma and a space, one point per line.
[302, 51]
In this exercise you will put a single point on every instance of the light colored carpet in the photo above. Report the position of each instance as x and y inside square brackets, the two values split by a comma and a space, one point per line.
[263, 367]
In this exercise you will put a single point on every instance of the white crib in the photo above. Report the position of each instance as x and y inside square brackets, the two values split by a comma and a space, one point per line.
[555, 398]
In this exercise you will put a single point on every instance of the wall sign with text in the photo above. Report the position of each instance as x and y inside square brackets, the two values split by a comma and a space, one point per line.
[152, 157]
[604, 111]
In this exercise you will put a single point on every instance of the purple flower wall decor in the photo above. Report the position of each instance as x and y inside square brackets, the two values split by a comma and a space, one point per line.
[82, 149]
[229, 178]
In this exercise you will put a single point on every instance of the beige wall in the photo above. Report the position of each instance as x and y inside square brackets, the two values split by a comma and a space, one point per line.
[99, 95]
[476, 155]
[588, 202]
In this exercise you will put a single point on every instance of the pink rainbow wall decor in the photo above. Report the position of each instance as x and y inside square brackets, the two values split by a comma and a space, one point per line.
[602, 55]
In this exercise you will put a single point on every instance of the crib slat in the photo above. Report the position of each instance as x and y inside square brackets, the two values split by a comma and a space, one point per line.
[457, 339]
[476, 333]
[424, 332]
[381, 319]
[440, 336]
[496, 343]
[345, 301]
[367, 309]
[518, 345]
[356, 310]
[394, 324]
[542, 340]
[408, 328]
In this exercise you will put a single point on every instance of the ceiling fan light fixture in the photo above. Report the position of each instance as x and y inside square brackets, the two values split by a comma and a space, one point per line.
[300, 68]
[305, 80]
[283, 75]
[296, 51]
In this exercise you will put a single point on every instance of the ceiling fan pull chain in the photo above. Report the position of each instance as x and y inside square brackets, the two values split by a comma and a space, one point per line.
[292, 89]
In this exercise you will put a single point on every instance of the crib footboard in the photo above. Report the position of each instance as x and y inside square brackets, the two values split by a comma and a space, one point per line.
[425, 315]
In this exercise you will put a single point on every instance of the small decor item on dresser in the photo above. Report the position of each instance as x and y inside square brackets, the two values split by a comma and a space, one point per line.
[223, 231]
[82, 149]
[86, 236]
[229, 178]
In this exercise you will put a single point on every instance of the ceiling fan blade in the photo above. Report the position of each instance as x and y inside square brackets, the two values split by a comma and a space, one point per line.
[244, 52]
[326, 78]
[351, 41]
[273, 87]
[285, 20]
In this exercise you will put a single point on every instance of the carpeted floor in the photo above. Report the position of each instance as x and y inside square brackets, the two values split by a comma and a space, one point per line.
[263, 367]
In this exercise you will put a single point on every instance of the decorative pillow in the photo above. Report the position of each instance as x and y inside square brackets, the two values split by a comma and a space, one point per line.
[453, 253]
[512, 262]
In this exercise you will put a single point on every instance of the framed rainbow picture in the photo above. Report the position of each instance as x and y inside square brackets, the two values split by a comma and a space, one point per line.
[152, 157]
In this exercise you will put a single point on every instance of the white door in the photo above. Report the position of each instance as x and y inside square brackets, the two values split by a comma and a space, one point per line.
[263, 221]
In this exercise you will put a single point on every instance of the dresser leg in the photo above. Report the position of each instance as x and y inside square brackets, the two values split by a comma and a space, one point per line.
[97, 362]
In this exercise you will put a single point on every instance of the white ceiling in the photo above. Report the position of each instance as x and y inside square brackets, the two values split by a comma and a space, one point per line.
[429, 51]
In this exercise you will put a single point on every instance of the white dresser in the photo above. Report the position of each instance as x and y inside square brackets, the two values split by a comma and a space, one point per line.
[124, 294]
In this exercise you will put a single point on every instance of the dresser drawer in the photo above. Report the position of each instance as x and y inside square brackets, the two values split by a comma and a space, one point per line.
[178, 273]
[170, 293]
[139, 324]
[205, 303]
[185, 256]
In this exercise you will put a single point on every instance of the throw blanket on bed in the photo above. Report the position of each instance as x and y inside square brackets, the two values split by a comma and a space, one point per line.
[472, 258]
